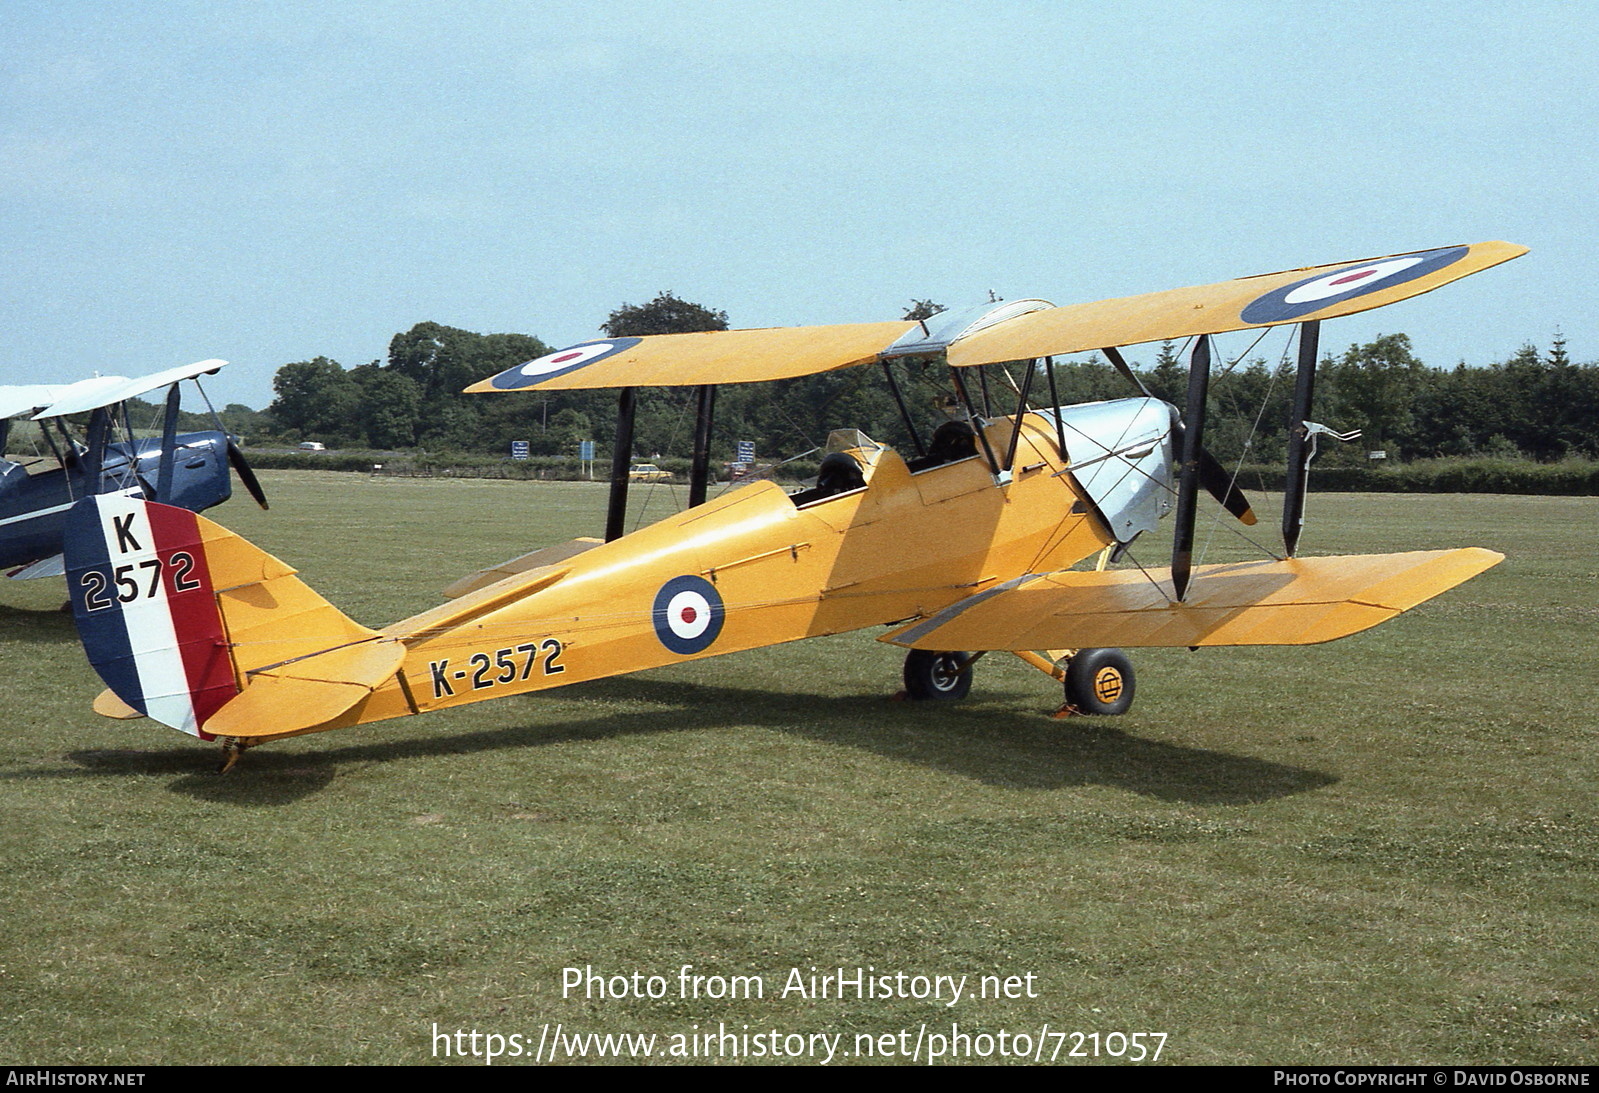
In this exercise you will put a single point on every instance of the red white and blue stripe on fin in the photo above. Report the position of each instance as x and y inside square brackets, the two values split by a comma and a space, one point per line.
[146, 610]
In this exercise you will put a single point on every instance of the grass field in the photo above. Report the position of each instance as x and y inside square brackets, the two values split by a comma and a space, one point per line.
[1381, 850]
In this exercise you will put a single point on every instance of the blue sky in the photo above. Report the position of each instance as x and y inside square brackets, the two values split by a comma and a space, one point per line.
[266, 183]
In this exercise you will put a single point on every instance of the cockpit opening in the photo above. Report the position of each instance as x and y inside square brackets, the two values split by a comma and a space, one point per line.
[850, 456]
[951, 442]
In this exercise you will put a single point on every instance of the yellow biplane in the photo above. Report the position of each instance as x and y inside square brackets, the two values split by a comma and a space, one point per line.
[963, 547]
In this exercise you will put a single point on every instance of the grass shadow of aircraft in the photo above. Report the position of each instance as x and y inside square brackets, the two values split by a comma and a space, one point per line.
[965, 742]
[37, 624]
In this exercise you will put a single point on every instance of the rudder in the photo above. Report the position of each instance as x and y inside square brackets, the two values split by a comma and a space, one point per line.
[176, 613]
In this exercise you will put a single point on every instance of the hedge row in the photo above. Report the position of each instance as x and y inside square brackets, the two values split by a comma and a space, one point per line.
[1569, 478]
[420, 463]
[429, 465]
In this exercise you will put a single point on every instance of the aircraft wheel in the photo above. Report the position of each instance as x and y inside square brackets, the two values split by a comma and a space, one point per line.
[930, 675]
[1100, 681]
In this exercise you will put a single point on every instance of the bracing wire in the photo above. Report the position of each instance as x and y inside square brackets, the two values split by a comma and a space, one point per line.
[1215, 519]
[1254, 429]
[671, 445]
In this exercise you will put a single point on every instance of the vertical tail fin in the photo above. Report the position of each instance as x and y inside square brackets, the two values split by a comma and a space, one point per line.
[177, 614]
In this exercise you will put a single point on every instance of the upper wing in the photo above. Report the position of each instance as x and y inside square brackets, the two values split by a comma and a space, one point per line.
[91, 394]
[26, 398]
[1300, 601]
[1018, 330]
[46, 400]
[711, 356]
[1269, 299]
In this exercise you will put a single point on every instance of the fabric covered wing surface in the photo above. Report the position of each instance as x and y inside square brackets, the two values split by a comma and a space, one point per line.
[1300, 601]
[711, 356]
[1229, 305]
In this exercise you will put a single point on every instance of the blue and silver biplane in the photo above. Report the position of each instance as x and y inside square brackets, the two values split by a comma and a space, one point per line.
[187, 470]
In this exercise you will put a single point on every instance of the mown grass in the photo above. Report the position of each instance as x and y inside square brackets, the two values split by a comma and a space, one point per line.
[1381, 850]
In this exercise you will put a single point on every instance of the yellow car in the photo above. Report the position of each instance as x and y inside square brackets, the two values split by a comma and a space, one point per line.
[647, 472]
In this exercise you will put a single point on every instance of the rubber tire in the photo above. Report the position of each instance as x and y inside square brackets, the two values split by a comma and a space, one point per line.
[1100, 682]
[930, 676]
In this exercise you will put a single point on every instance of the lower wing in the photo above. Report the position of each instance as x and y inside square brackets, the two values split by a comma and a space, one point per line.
[1298, 601]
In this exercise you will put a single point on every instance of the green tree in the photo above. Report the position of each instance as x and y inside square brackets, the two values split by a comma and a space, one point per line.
[1168, 380]
[417, 397]
[1558, 357]
[316, 398]
[666, 314]
[567, 429]
[454, 428]
[444, 360]
[244, 422]
[1542, 406]
[1377, 385]
[664, 418]
[391, 406]
[426, 354]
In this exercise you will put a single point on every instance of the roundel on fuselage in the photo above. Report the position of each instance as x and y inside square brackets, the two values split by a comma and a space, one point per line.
[688, 614]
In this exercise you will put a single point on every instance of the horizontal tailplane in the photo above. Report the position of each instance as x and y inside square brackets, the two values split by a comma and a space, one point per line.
[543, 558]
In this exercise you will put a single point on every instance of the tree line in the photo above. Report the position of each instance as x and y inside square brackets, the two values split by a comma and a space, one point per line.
[1537, 405]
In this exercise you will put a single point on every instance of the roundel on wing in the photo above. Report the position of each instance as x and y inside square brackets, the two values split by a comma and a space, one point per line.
[560, 362]
[688, 614]
[1325, 289]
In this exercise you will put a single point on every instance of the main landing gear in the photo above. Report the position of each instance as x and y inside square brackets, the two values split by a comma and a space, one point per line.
[944, 676]
[1098, 682]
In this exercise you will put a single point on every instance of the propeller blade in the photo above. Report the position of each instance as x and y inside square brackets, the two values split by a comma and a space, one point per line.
[1214, 477]
[1219, 483]
[246, 475]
